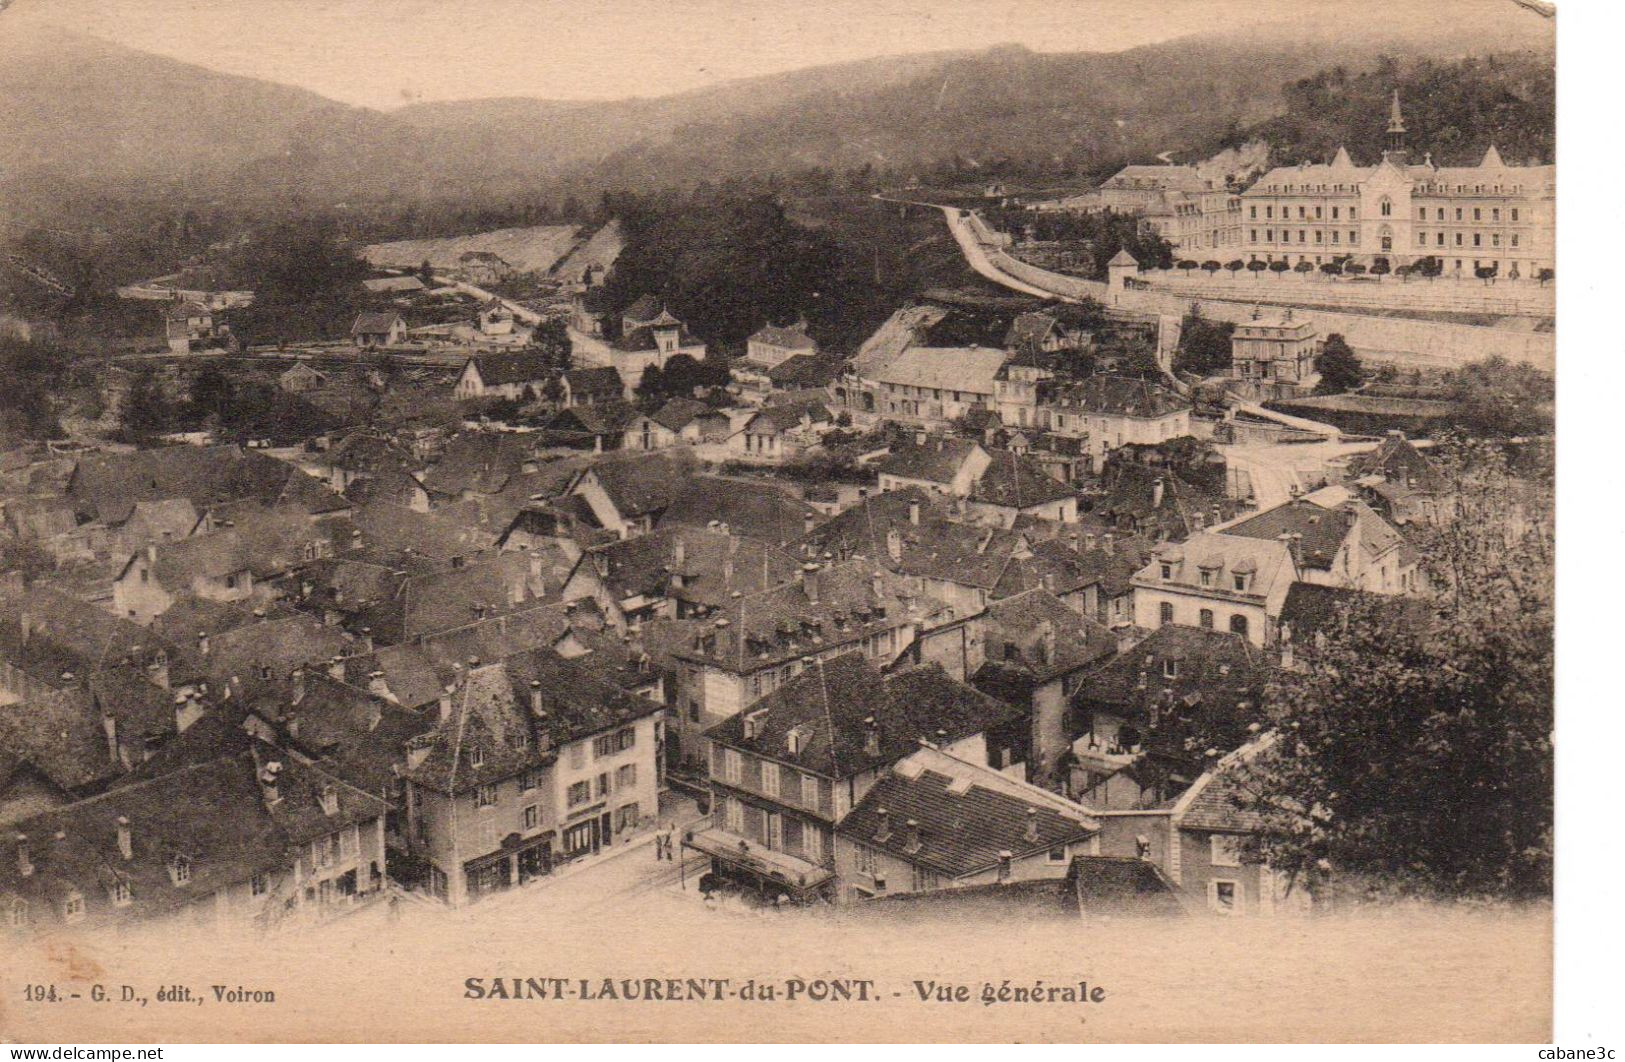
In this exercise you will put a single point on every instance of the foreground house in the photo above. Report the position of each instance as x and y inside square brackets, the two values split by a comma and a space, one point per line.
[242, 840]
[937, 820]
[378, 329]
[535, 762]
[515, 375]
[787, 771]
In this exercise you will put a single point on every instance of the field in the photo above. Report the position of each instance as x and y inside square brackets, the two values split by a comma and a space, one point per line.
[527, 250]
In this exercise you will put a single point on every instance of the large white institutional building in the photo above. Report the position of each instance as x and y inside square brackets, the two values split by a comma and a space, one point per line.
[1492, 215]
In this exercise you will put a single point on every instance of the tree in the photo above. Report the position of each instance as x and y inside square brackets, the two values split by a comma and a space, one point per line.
[1331, 269]
[1235, 265]
[1413, 750]
[1338, 367]
[1380, 268]
[1496, 398]
[147, 413]
[1354, 269]
[551, 338]
[1305, 267]
[1204, 345]
[1210, 267]
[1257, 265]
[651, 385]
[426, 272]
[1279, 266]
[1186, 265]
[212, 394]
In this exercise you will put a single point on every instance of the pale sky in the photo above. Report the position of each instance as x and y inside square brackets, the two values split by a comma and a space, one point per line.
[380, 53]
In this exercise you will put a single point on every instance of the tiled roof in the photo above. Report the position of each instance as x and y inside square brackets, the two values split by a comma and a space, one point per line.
[495, 729]
[828, 703]
[755, 508]
[646, 308]
[938, 460]
[678, 413]
[602, 381]
[1029, 329]
[787, 416]
[639, 484]
[714, 565]
[792, 338]
[899, 332]
[936, 548]
[854, 601]
[1044, 636]
[108, 486]
[1397, 460]
[60, 733]
[280, 645]
[45, 632]
[1094, 886]
[970, 369]
[480, 461]
[1324, 531]
[433, 536]
[1265, 560]
[964, 815]
[1120, 396]
[801, 371]
[212, 814]
[370, 323]
[1019, 482]
[1217, 801]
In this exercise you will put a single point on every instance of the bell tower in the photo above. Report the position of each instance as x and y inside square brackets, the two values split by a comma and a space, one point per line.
[1394, 141]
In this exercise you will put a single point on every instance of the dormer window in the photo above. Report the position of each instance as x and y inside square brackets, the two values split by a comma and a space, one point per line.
[17, 916]
[1170, 668]
[1239, 580]
[180, 870]
[330, 800]
[73, 907]
[119, 893]
[476, 757]
[1207, 576]
[1167, 571]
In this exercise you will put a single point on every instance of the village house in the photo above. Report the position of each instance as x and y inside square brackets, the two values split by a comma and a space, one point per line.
[190, 326]
[301, 379]
[772, 345]
[1013, 486]
[788, 770]
[1347, 545]
[232, 843]
[1114, 411]
[628, 494]
[378, 329]
[1019, 388]
[495, 319]
[763, 509]
[516, 375]
[936, 385]
[591, 428]
[679, 420]
[783, 432]
[938, 820]
[1201, 842]
[676, 572]
[483, 267]
[1400, 483]
[940, 465]
[106, 487]
[535, 762]
[590, 387]
[1036, 651]
[758, 642]
[1275, 355]
[1157, 504]
[1234, 583]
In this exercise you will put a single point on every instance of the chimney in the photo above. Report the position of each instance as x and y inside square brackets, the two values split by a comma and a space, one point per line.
[152, 554]
[871, 736]
[809, 523]
[377, 685]
[110, 728]
[894, 545]
[124, 847]
[809, 581]
[883, 832]
[679, 554]
[536, 697]
[335, 668]
[268, 782]
[911, 835]
[1108, 542]
[1004, 865]
[25, 865]
[878, 585]
[202, 643]
[298, 685]
[1031, 833]
[366, 639]
[445, 703]
[1046, 642]
[914, 511]
[1156, 493]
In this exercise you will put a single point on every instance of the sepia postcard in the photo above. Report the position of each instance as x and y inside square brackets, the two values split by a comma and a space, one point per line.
[792, 522]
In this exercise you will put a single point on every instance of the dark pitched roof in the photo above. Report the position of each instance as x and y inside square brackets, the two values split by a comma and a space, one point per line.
[599, 419]
[678, 413]
[1324, 531]
[1036, 633]
[828, 705]
[373, 323]
[1120, 396]
[211, 814]
[714, 565]
[756, 508]
[1029, 329]
[936, 548]
[639, 484]
[1018, 481]
[45, 632]
[512, 367]
[434, 536]
[793, 337]
[964, 815]
[108, 486]
[938, 461]
[480, 461]
[60, 733]
[604, 380]
[1397, 460]
[789, 415]
[1117, 886]
[496, 729]
[645, 308]
[805, 371]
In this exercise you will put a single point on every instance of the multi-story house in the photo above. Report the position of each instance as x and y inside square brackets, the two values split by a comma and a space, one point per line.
[937, 820]
[787, 771]
[536, 761]
[759, 642]
[1112, 411]
[941, 465]
[1234, 583]
[1347, 545]
[232, 842]
[935, 385]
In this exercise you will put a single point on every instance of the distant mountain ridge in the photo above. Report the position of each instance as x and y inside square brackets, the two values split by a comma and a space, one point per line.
[92, 119]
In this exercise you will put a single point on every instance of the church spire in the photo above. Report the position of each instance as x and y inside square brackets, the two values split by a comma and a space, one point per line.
[1395, 140]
